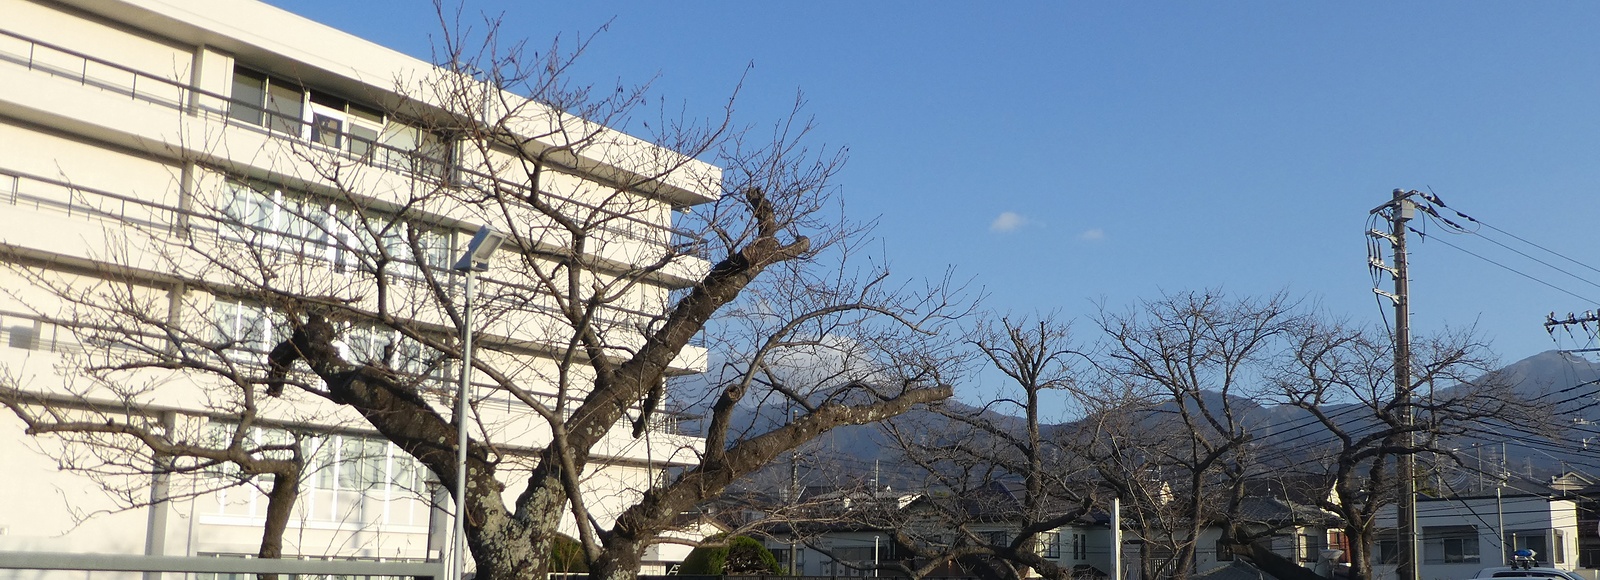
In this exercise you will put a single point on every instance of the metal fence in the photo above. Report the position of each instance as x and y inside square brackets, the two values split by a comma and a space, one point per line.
[66, 562]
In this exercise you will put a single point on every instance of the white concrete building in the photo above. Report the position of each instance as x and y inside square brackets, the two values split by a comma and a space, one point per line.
[1460, 536]
[163, 152]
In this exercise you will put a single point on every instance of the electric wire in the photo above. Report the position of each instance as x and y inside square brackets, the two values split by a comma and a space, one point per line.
[1434, 199]
[1507, 268]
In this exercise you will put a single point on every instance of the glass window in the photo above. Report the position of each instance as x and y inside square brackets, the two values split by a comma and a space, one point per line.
[327, 130]
[324, 463]
[246, 330]
[249, 96]
[999, 538]
[1224, 551]
[259, 99]
[368, 344]
[405, 473]
[307, 225]
[248, 213]
[1528, 540]
[374, 462]
[414, 149]
[366, 113]
[284, 107]
[351, 474]
[217, 436]
[362, 140]
[1389, 550]
[1051, 543]
[1450, 545]
[362, 126]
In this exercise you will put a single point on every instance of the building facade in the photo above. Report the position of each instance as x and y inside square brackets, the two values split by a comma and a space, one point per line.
[1460, 536]
[172, 172]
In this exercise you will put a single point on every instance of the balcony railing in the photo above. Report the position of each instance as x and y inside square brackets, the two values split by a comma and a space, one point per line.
[54, 60]
[42, 193]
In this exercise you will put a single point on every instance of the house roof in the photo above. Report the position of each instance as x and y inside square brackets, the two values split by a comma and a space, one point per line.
[995, 501]
[1307, 489]
[1272, 510]
[1238, 570]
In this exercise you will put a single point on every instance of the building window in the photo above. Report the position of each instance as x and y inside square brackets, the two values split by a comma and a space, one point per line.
[414, 149]
[1051, 544]
[1389, 549]
[1080, 546]
[386, 347]
[340, 124]
[1310, 546]
[288, 108]
[1338, 541]
[273, 103]
[246, 330]
[267, 216]
[359, 463]
[1450, 545]
[1548, 545]
[854, 561]
[999, 538]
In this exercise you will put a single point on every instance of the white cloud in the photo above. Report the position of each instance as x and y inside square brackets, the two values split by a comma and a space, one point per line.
[1093, 235]
[1008, 222]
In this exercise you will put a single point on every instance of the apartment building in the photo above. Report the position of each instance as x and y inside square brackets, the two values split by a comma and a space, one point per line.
[172, 172]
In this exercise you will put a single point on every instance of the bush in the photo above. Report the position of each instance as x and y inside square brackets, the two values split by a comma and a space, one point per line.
[566, 555]
[740, 555]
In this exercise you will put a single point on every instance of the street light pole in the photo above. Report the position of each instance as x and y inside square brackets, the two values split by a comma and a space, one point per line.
[474, 260]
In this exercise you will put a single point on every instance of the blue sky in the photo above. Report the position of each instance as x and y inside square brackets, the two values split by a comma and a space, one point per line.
[1058, 153]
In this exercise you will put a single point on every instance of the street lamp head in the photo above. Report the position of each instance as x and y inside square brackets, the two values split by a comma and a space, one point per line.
[480, 250]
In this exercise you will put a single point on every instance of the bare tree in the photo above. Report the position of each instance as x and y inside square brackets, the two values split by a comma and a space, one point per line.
[115, 424]
[1194, 357]
[1344, 378]
[339, 245]
[997, 487]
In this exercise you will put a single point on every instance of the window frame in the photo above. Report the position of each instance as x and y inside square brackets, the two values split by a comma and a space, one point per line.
[1052, 544]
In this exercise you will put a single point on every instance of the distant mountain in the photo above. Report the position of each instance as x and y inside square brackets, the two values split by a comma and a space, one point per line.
[1569, 384]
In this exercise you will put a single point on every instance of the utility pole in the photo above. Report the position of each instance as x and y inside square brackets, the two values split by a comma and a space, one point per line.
[794, 500]
[1397, 212]
[1116, 537]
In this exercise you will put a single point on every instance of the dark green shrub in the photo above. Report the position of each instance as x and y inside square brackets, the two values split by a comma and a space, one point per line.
[566, 555]
[739, 555]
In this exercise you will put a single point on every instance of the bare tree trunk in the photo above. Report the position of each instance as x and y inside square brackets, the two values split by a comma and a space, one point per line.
[280, 506]
[1147, 561]
[1278, 566]
[1359, 539]
[621, 562]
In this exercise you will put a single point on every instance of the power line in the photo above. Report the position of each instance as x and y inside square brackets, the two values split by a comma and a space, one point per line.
[1505, 267]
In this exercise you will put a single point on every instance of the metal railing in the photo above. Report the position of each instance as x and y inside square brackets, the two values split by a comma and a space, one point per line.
[44, 57]
[43, 193]
[215, 565]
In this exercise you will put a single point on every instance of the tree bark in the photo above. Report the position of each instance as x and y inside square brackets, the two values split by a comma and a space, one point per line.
[285, 489]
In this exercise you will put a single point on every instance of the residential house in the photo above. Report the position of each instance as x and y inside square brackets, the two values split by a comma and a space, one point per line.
[858, 532]
[1461, 535]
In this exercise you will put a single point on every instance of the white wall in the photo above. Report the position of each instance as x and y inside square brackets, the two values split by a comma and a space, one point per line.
[1526, 514]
